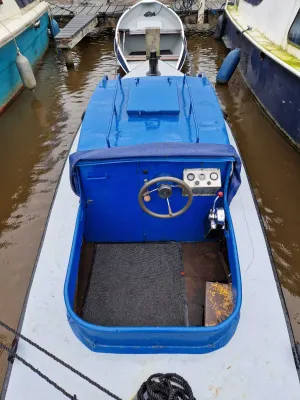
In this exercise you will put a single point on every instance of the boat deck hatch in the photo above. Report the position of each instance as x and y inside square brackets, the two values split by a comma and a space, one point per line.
[151, 284]
[139, 104]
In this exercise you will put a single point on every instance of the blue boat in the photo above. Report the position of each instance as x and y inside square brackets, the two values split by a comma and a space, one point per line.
[24, 25]
[165, 139]
[268, 36]
[152, 235]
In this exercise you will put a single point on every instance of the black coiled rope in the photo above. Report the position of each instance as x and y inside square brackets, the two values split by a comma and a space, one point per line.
[183, 5]
[165, 387]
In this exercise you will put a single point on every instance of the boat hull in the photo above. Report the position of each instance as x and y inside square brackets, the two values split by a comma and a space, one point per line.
[133, 23]
[32, 42]
[275, 88]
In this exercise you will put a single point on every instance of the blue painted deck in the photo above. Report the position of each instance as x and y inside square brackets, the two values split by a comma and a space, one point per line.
[32, 44]
[188, 111]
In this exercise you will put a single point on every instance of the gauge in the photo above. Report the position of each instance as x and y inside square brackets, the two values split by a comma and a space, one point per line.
[190, 177]
[213, 176]
[202, 177]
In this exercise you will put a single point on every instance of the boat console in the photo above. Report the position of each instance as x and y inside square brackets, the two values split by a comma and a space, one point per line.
[154, 264]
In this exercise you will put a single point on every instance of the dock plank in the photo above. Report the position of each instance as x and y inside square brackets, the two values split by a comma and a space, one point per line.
[75, 30]
[111, 10]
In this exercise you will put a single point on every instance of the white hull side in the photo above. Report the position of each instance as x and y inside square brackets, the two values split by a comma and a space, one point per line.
[272, 20]
[14, 20]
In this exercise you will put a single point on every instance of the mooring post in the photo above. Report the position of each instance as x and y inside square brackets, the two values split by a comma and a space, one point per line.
[201, 8]
[68, 57]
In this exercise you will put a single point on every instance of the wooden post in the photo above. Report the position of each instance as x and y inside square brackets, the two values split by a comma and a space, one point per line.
[201, 8]
[68, 57]
[152, 37]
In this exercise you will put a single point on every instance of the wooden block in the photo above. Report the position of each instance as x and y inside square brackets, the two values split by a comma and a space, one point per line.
[152, 37]
[218, 303]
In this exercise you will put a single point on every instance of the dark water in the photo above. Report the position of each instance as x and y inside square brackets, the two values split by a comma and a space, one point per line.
[36, 132]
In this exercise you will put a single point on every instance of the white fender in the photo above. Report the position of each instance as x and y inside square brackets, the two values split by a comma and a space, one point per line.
[25, 71]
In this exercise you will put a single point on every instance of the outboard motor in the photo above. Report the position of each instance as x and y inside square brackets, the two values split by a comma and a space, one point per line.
[215, 223]
[153, 64]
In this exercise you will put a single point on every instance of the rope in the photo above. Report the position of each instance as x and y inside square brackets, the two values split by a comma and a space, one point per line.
[75, 371]
[13, 36]
[38, 372]
[165, 387]
[153, 13]
[188, 57]
[183, 5]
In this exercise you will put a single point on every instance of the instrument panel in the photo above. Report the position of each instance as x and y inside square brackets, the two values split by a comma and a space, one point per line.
[203, 181]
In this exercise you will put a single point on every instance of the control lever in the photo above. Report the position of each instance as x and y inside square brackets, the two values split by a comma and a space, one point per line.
[216, 219]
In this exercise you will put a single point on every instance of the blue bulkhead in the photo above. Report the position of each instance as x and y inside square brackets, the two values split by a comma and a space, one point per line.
[136, 130]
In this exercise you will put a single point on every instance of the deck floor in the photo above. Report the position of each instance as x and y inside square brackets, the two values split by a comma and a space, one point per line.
[203, 262]
[147, 284]
[136, 284]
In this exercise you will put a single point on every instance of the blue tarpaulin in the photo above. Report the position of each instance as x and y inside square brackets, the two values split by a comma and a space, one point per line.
[161, 150]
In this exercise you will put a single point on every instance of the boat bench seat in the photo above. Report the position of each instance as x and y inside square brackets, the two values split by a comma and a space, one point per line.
[142, 31]
[165, 57]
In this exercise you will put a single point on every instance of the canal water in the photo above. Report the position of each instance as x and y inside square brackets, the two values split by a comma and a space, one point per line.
[35, 135]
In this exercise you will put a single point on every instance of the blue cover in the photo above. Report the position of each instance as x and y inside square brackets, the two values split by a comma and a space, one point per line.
[126, 112]
[165, 150]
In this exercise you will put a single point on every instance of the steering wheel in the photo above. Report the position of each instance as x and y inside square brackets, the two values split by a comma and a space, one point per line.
[164, 191]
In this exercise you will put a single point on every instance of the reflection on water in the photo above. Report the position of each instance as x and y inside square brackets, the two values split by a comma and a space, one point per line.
[36, 132]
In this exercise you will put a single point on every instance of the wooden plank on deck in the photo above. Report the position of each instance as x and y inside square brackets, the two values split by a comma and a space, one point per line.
[218, 303]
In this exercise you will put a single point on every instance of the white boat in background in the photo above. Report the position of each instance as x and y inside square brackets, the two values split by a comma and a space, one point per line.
[23, 26]
[149, 25]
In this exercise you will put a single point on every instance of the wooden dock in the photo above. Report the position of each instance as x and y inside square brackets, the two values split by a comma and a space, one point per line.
[116, 9]
[68, 37]
[83, 18]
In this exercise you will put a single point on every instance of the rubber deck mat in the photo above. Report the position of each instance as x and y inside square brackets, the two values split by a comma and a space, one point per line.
[136, 284]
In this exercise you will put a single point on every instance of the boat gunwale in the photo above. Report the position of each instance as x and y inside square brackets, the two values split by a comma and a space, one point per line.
[248, 35]
[23, 26]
